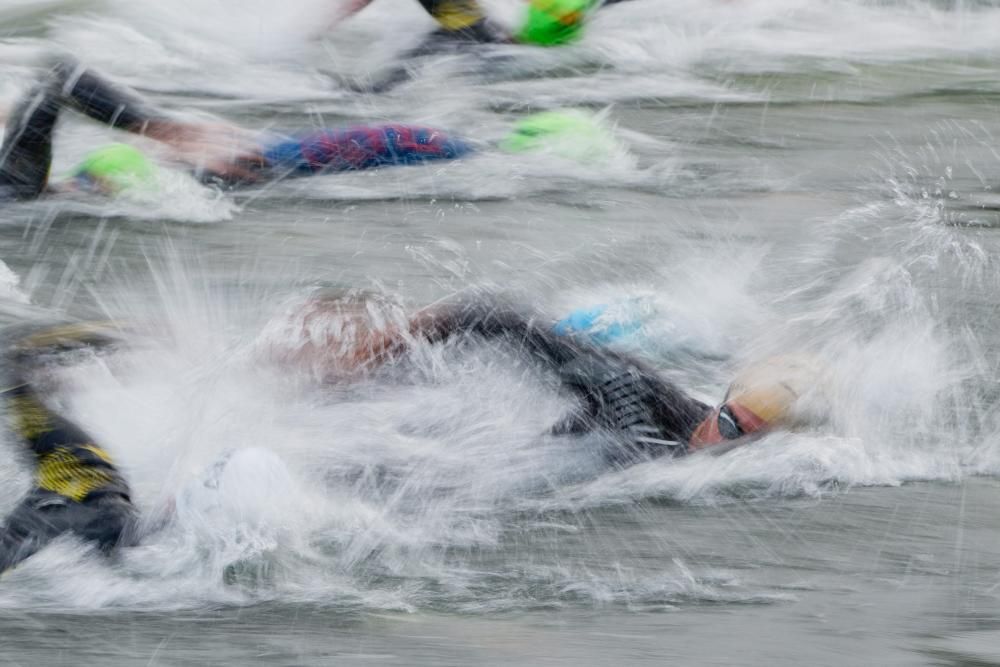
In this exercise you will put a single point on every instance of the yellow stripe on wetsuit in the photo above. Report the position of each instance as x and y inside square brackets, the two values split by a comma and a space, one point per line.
[454, 14]
[62, 472]
[31, 419]
[78, 333]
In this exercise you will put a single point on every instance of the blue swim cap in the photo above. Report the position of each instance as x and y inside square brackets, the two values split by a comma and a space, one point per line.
[588, 323]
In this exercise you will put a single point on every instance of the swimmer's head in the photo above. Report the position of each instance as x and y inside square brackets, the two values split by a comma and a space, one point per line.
[114, 169]
[576, 135]
[765, 396]
[554, 22]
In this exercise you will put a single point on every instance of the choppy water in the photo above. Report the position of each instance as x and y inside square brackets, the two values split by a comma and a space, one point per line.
[795, 175]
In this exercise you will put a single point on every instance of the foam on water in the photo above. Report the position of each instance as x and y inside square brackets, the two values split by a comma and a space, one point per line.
[431, 485]
[381, 492]
[260, 58]
[270, 51]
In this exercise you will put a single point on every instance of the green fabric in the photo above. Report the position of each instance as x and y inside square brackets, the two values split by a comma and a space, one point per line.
[554, 22]
[572, 134]
[117, 167]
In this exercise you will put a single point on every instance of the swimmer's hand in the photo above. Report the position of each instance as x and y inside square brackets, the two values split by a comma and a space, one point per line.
[362, 347]
[346, 10]
[341, 342]
[336, 335]
[227, 151]
[367, 350]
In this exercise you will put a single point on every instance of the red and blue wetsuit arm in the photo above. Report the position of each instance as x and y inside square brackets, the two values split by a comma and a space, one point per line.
[361, 147]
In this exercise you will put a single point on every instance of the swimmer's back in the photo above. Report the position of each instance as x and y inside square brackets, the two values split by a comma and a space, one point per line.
[361, 147]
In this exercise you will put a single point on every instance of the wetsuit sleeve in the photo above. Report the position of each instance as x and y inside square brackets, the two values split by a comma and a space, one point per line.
[77, 487]
[26, 152]
[103, 101]
[68, 461]
[650, 416]
[493, 320]
[40, 429]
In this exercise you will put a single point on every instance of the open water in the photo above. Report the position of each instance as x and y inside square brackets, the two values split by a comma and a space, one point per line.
[792, 175]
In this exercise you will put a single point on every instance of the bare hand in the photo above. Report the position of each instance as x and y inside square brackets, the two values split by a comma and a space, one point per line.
[336, 338]
[225, 150]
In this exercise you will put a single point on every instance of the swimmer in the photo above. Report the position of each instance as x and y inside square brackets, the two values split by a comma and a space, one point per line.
[77, 488]
[646, 415]
[547, 23]
[228, 156]
[459, 20]
[464, 22]
[214, 153]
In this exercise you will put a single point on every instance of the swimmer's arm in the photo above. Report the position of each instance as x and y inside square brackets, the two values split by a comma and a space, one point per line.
[608, 384]
[27, 148]
[98, 98]
[441, 322]
[352, 7]
[374, 348]
[494, 320]
[41, 429]
[227, 152]
[116, 106]
[345, 9]
[222, 149]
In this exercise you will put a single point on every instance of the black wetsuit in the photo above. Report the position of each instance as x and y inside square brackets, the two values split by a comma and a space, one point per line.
[77, 489]
[646, 415]
[26, 153]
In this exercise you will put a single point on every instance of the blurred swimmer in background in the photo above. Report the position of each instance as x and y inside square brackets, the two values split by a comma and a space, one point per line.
[229, 156]
[215, 153]
[464, 23]
[546, 22]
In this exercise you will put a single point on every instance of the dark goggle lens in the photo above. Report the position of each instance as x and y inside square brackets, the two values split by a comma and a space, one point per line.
[729, 428]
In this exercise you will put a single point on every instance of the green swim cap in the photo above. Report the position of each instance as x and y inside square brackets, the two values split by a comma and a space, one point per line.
[571, 134]
[116, 168]
[554, 22]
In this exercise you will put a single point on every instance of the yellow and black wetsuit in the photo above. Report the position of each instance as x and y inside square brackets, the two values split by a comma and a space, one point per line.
[466, 18]
[77, 490]
[455, 14]
[461, 21]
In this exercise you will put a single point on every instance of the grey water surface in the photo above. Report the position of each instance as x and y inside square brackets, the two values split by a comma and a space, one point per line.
[793, 176]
